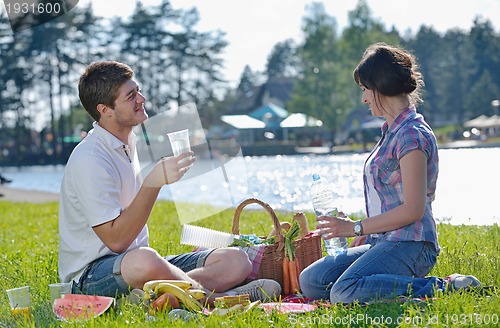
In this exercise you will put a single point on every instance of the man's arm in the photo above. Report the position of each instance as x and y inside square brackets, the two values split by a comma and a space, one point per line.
[119, 233]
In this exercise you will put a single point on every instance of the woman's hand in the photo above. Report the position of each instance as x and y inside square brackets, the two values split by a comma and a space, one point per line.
[169, 170]
[335, 226]
[358, 241]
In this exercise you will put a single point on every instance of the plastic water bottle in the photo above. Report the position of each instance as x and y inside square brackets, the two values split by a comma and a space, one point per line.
[323, 203]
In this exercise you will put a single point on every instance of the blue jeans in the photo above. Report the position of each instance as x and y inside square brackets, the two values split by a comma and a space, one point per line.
[103, 276]
[384, 269]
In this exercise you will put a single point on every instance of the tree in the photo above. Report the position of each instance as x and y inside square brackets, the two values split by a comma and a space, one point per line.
[52, 57]
[15, 98]
[325, 88]
[248, 80]
[440, 59]
[485, 43]
[196, 60]
[182, 64]
[484, 82]
[283, 61]
[145, 49]
[315, 92]
[89, 40]
[362, 30]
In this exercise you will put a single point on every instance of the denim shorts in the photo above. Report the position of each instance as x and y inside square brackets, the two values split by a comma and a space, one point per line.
[103, 276]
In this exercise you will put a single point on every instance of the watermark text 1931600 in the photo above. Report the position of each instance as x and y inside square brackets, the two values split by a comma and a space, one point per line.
[25, 14]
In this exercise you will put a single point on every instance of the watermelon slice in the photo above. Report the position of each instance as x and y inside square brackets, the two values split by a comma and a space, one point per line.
[77, 307]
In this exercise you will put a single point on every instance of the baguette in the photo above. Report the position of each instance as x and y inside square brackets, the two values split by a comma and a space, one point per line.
[302, 220]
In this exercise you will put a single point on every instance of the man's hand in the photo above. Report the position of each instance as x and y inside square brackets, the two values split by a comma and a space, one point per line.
[169, 170]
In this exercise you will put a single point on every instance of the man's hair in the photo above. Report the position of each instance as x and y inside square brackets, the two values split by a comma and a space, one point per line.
[100, 84]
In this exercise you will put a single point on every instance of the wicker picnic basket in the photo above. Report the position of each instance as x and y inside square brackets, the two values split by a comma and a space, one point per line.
[307, 249]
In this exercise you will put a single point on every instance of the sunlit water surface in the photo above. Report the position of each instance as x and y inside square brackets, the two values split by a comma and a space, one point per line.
[467, 190]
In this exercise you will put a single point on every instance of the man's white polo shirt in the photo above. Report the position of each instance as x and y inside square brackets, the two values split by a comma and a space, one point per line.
[101, 178]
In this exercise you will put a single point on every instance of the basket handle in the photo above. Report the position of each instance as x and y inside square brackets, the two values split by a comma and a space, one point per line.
[236, 221]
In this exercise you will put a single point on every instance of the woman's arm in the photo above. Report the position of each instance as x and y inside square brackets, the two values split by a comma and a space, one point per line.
[414, 177]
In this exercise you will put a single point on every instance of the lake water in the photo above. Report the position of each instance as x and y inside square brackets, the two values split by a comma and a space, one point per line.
[467, 189]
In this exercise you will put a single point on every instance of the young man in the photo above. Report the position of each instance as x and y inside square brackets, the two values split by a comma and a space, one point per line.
[105, 204]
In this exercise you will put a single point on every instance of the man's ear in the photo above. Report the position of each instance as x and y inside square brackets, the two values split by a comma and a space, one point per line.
[104, 110]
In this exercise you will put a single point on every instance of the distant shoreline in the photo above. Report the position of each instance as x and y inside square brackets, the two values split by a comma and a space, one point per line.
[280, 149]
[27, 196]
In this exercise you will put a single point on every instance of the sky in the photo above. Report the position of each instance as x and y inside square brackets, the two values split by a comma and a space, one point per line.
[254, 27]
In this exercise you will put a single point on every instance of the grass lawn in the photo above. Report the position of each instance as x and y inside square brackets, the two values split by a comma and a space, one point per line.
[29, 245]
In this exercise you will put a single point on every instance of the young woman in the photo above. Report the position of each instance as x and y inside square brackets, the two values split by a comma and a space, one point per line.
[396, 246]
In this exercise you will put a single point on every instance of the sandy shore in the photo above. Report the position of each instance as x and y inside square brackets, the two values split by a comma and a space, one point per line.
[30, 196]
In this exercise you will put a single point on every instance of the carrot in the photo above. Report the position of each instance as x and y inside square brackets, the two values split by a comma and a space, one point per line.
[286, 276]
[298, 272]
[294, 278]
[297, 266]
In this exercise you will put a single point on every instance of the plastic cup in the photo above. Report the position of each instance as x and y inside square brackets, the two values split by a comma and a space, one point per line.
[179, 141]
[56, 290]
[19, 299]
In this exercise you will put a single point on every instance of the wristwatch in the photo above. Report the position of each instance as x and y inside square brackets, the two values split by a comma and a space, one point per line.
[358, 228]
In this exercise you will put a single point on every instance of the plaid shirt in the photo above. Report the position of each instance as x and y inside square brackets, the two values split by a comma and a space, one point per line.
[408, 132]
